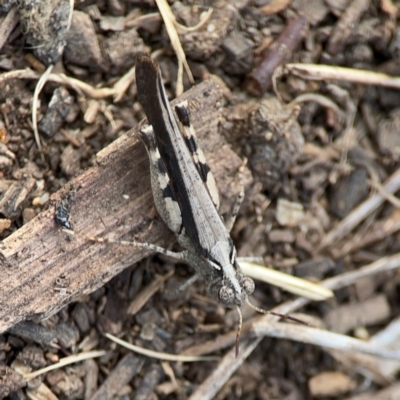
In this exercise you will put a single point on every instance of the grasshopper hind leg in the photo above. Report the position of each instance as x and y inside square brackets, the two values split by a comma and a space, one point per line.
[164, 199]
[163, 193]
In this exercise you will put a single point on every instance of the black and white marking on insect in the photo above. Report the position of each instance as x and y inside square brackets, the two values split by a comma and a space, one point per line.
[183, 112]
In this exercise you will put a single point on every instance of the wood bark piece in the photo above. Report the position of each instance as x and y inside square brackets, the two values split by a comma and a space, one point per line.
[125, 370]
[42, 268]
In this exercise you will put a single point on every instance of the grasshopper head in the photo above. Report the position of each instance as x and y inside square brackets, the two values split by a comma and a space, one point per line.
[232, 288]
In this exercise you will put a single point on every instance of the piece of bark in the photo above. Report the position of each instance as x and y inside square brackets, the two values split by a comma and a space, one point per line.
[125, 370]
[43, 268]
[91, 377]
[36, 333]
[7, 25]
[260, 79]
[152, 377]
[14, 200]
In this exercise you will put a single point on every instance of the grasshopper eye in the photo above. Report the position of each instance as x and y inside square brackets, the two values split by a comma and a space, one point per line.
[248, 285]
[226, 295]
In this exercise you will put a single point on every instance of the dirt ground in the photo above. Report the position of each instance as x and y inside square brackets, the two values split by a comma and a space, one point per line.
[323, 154]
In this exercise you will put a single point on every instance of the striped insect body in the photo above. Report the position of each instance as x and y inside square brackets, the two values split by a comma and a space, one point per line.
[185, 193]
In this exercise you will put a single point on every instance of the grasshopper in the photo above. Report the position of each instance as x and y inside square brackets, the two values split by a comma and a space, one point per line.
[186, 196]
[185, 193]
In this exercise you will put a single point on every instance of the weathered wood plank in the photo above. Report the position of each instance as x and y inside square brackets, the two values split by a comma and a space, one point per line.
[113, 199]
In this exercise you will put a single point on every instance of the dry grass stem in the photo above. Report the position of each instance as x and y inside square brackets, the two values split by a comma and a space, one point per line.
[76, 84]
[322, 100]
[290, 283]
[169, 18]
[327, 72]
[320, 337]
[66, 361]
[35, 100]
[203, 19]
[159, 355]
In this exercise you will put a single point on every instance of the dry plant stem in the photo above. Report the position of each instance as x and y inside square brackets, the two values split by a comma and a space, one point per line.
[390, 197]
[228, 365]
[327, 72]
[324, 101]
[378, 231]
[76, 84]
[39, 86]
[43, 269]
[361, 212]
[204, 18]
[381, 371]
[168, 17]
[66, 361]
[319, 337]
[261, 78]
[159, 355]
[384, 264]
[122, 85]
[290, 283]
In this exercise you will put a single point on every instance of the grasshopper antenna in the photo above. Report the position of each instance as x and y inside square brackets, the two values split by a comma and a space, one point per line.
[238, 331]
[285, 316]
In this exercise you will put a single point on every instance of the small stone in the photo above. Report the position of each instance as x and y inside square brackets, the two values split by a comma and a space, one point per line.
[348, 192]
[122, 47]
[67, 334]
[330, 384]
[289, 213]
[5, 162]
[57, 112]
[80, 317]
[281, 235]
[148, 332]
[4, 224]
[109, 23]
[70, 161]
[82, 44]
[237, 46]
[10, 381]
[32, 356]
[388, 134]
[344, 318]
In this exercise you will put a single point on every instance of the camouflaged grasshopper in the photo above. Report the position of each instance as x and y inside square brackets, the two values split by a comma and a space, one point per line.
[185, 193]
[186, 196]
